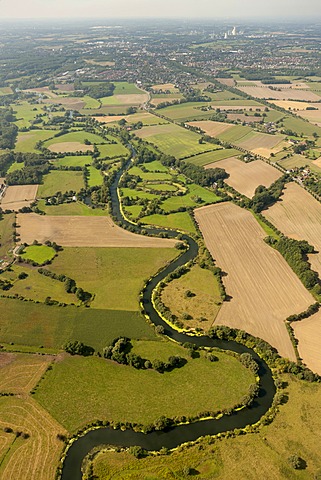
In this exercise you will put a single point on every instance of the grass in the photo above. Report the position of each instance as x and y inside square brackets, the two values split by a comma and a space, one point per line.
[112, 150]
[73, 208]
[268, 230]
[90, 103]
[16, 166]
[79, 390]
[205, 302]
[155, 166]
[27, 141]
[211, 157]
[73, 161]
[36, 325]
[180, 220]
[60, 181]
[235, 134]
[38, 253]
[25, 113]
[76, 136]
[188, 200]
[114, 275]
[6, 232]
[300, 126]
[298, 161]
[150, 175]
[125, 88]
[131, 193]
[95, 177]
[161, 187]
[186, 111]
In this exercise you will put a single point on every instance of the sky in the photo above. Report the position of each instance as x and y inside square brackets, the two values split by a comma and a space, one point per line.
[278, 9]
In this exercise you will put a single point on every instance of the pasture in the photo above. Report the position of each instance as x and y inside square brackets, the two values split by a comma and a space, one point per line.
[246, 177]
[298, 215]
[264, 290]
[70, 209]
[308, 334]
[261, 143]
[6, 235]
[60, 181]
[26, 141]
[38, 253]
[180, 221]
[112, 150]
[195, 192]
[300, 126]
[282, 94]
[78, 231]
[18, 196]
[95, 177]
[211, 128]
[73, 139]
[203, 306]
[174, 140]
[211, 157]
[73, 161]
[79, 390]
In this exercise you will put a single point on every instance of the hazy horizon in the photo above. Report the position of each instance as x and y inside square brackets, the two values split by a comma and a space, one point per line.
[141, 9]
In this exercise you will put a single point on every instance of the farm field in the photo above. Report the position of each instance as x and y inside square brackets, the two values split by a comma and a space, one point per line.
[74, 137]
[203, 306]
[38, 253]
[300, 161]
[73, 161]
[314, 116]
[235, 134]
[284, 94]
[26, 141]
[32, 325]
[18, 196]
[308, 334]
[174, 140]
[115, 275]
[125, 99]
[298, 215]
[70, 209]
[259, 280]
[112, 150]
[246, 177]
[211, 157]
[60, 181]
[36, 456]
[6, 233]
[188, 200]
[262, 143]
[186, 111]
[211, 128]
[180, 221]
[245, 457]
[95, 177]
[300, 126]
[106, 390]
[77, 231]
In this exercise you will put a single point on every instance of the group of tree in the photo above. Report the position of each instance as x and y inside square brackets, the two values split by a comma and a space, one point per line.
[69, 284]
[79, 348]
[96, 90]
[8, 130]
[265, 197]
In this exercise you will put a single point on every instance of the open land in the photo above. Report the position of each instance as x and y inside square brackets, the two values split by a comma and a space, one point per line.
[211, 128]
[19, 196]
[259, 281]
[308, 333]
[283, 94]
[60, 181]
[298, 215]
[246, 177]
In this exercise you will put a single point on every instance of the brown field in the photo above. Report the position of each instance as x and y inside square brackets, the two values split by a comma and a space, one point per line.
[246, 177]
[308, 333]
[230, 82]
[211, 128]
[317, 162]
[19, 373]
[82, 232]
[65, 87]
[70, 147]
[284, 94]
[109, 118]
[102, 64]
[264, 290]
[131, 99]
[314, 116]
[73, 103]
[298, 215]
[18, 196]
[261, 142]
[35, 457]
[243, 118]
[293, 105]
[165, 86]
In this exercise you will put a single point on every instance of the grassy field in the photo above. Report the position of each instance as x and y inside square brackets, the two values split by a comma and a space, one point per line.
[180, 220]
[211, 157]
[73, 208]
[188, 200]
[60, 181]
[234, 134]
[164, 175]
[300, 126]
[106, 390]
[76, 136]
[115, 275]
[205, 303]
[31, 324]
[38, 253]
[15, 166]
[95, 177]
[186, 111]
[125, 88]
[25, 113]
[112, 150]
[26, 141]
[36, 287]
[73, 161]
[246, 457]
[6, 232]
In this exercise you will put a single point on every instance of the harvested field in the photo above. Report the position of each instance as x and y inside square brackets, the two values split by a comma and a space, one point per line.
[67, 147]
[82, 232]
[284, 94]
[246, 177]
[259, 142]
[165, 86]
[238, 106]
[288, 104]
[298, 215]
[314, 116]
[18, 196]
[243, 118]
[211, 128]
[109, 118]
[126, 99]
[35, 457]
[264, 290]
[69, 102]
[308, 333]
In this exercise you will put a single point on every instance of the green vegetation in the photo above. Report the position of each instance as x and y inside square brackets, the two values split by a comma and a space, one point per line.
[112, 150]
[300, 126]
[195, 196]
[38, 253]
[60, 181]
[125, 88]
[180, 221]
[73, 161]
[6, 234]
[76, 136]
[73, 208]
[95, 177]
[27, 141]
[114, 392]
[211, 157]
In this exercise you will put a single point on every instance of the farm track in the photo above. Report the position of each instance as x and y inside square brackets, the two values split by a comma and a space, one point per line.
[183, 433]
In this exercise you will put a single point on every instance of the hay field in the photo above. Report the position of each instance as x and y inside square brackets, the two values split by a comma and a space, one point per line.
[260, 142]
[264, 290]
[26, 141]
[18, 196]
[66, 147]
[211, 128]
[246, 177]
[37, 456]
[125, 99]
[284, 94]
[298, 215]
[314, 116]
[293, 105]
[308, 332]
[75, 231]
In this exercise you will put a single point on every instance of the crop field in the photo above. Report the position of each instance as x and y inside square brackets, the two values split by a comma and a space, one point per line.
[36, 456]
[212, 157]
[174, 140]
[246, 177]
[284, 94]
[308, 333]
[73, 161]
[6, 233]
[125, 88]
[165, 86]
[112, 150]
[188, 200]
[186, 111]
[300, 126]
[293, 105]
[18, 196]
[298, 215]
[204, 304]
[180, 221]
[70, 103]
[95, 177]
[125, 99]
[264, 290]
[75, 137]
[26, 141]
[71, 209]
[5, 90]
[261, 143]
[60, 181]
[211, 128]
[38, 253]
[314, 116]
[19, 373]
[77, 231]
[35, 286]
[235, 134]
[115, 275]
[300, 161]
[103, 389]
